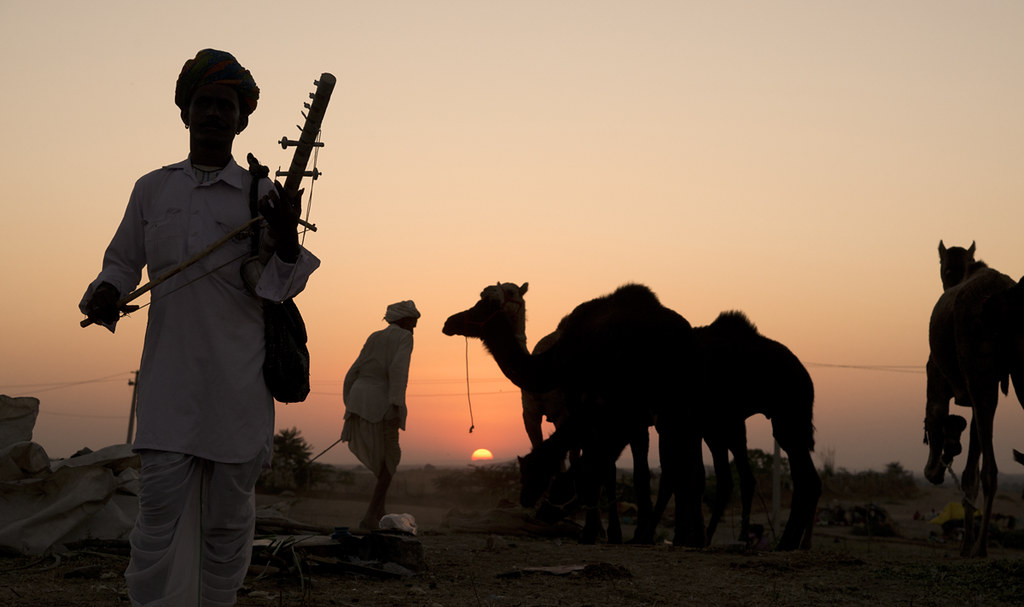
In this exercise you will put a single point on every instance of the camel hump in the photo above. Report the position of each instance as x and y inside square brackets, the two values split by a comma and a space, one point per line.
[631, 300]
[734, 322]
[635, 294]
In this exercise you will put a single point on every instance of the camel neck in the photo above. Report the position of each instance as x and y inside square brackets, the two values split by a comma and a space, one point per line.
[528, 372]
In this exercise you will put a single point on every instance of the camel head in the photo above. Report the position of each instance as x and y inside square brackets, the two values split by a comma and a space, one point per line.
[502, 298]
[954, 263]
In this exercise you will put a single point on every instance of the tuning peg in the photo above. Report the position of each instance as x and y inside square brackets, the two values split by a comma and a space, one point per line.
[286, 143]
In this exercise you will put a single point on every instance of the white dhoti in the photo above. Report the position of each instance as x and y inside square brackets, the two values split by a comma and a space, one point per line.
[375, 445]
[192, 541]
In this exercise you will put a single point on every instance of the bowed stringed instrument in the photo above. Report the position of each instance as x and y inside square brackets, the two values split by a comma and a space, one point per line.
[304, 146]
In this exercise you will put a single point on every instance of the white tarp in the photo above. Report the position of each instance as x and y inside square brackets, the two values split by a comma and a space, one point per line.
[17, 419]
[45, 504]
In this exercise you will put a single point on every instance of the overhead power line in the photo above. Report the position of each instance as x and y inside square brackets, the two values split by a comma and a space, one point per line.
[37, 388]
[885, 367]
[49, 386]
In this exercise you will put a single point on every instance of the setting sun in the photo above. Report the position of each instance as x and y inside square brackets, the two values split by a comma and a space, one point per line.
[480, 454]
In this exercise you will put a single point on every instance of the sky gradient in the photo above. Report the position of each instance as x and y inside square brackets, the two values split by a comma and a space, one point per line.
[798, 161]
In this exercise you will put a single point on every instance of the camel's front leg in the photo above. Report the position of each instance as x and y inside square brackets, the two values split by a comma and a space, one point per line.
[592, 477]
[666, 484]
[748, 483]
[723, 480]
[806, 492]
[936, 412]
[639, 445]
[989, 476]
[600, 453]
[686, 473]
[611, 497]
[969, 486]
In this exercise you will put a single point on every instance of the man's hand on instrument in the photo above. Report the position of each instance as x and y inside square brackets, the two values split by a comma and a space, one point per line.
[282, 212]
[102, 306]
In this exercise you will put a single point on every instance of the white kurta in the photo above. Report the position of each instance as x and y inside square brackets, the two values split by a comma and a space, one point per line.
[379, 376]
[201, 389]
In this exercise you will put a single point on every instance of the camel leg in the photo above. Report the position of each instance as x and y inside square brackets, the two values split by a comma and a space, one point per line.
[598, 471]
[806, 492]
[592, 476]
[984, 418]
[684, 466]
[611, 487]
[723, 481]
[639, 445]
[969, 486]
[665, 489]
[938, 394]
[747, 481]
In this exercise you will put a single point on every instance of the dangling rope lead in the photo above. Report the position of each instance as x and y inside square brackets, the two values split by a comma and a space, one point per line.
[960, 486]
[468, 399]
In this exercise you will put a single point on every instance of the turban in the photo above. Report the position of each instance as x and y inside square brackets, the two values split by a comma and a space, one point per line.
[216, 67]
[400, 310]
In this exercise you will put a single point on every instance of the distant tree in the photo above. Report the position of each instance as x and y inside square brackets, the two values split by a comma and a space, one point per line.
[895, 471]
[289, 468]
[895, 481]
[828, 461]
[481, 485]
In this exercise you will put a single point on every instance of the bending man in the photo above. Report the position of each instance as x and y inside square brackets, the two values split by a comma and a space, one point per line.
[374, 395]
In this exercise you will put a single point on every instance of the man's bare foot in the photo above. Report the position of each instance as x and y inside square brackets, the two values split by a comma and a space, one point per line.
[369, 524]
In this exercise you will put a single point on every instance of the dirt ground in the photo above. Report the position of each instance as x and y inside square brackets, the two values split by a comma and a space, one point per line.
[492, 569]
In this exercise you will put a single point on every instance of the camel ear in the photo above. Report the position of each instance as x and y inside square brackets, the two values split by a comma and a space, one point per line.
[970, 251]
[942, 249]
[522, 289]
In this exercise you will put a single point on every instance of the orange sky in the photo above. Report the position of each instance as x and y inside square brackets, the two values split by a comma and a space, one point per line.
[797, 161]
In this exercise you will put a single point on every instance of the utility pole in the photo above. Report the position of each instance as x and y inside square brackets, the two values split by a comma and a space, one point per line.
[135, 399]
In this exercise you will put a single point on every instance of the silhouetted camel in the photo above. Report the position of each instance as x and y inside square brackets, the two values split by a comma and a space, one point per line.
[971, 358]
[623, 361]
[560, 494]
[739, 373]
[539, 471]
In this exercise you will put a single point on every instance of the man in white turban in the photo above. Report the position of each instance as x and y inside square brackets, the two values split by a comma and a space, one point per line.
[374, 395]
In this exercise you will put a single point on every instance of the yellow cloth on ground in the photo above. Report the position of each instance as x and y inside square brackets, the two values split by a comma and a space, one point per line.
[954, 511]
